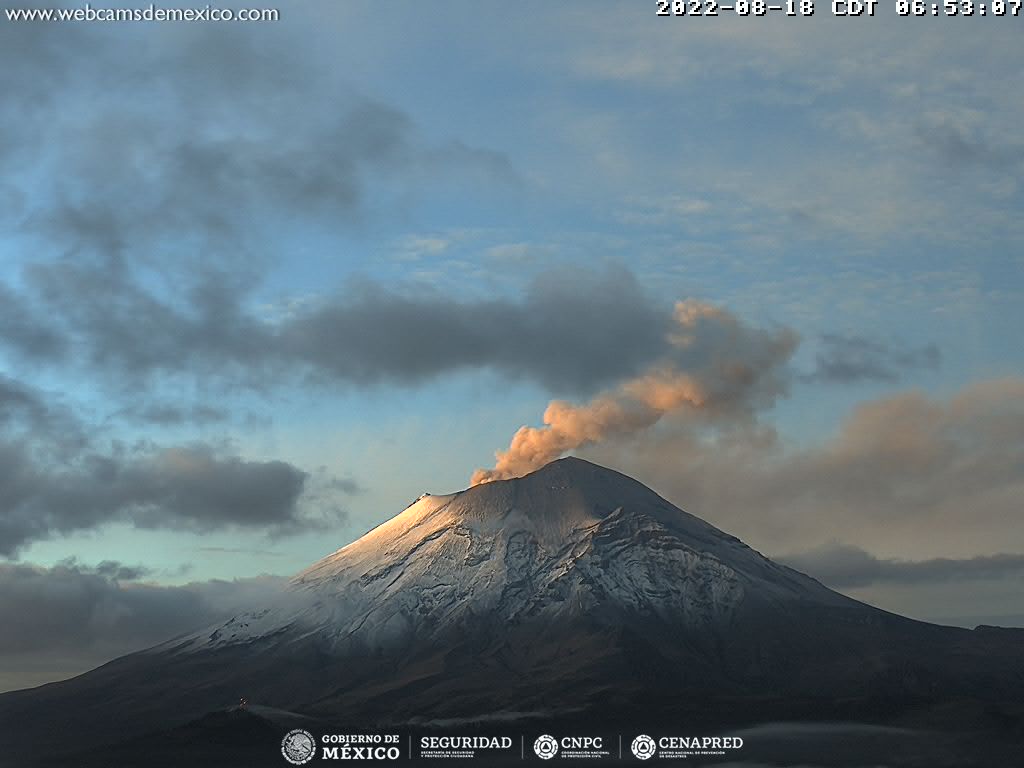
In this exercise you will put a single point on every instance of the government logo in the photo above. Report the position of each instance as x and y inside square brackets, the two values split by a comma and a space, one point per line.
[644, 747]
[298, 746]
[546, 747]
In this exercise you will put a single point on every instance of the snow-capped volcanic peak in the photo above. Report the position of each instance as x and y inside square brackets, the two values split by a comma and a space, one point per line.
[569, 540]
[566, 503]
[549, 506]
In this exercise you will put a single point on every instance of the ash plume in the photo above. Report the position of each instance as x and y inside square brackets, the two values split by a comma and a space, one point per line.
[718, 368]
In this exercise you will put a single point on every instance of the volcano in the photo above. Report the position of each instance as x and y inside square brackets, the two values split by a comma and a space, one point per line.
[572, 595]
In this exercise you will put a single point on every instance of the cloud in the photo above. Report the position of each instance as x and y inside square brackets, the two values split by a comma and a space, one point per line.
[167, 414]
[59, 477]
[30, 415]
[926, 134]
[23, 330]
[960, 138]
[843, 567]
[122, 328]
[896, 467]
[241, 551]
[557, 333]
[208, 183]
[20, 403]
[188, 159]
[717, 368]
[114, 570]
[149, 260]
[65, 619]
[194, 487]
[845, 359]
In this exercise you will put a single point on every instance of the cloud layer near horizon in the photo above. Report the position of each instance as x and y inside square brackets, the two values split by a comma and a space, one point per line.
[71, 617]
[842, 566]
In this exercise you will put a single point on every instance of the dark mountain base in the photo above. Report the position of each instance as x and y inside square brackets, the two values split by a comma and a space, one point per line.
[812, 733]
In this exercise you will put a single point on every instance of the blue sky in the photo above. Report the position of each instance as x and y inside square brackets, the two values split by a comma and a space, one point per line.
[218, 243]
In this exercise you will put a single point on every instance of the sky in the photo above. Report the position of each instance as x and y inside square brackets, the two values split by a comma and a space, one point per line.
[263, 284]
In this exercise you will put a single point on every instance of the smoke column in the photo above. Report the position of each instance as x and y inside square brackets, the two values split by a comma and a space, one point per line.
[717, 366]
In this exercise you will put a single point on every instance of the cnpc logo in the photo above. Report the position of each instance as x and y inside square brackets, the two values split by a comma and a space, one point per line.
[643, 747]
[547, 746]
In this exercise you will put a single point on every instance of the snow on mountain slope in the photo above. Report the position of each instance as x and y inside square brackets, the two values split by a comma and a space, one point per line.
[572, 539]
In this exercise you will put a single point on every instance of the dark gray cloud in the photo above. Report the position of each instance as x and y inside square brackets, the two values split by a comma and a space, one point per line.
[959, 144]
[24, 331]
[845, 566]
[194, 487]
[112, 569]
[210, 189]
[65, 619]
[35, 417]
[558, 333]
[122, 328]
[20, 403]
[845, 358]
[58, 478]
[34, 53]
[167, 414]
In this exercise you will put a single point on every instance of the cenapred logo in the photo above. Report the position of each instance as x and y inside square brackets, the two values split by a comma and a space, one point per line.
[298, 746]
[644, 747]
[546, 747]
